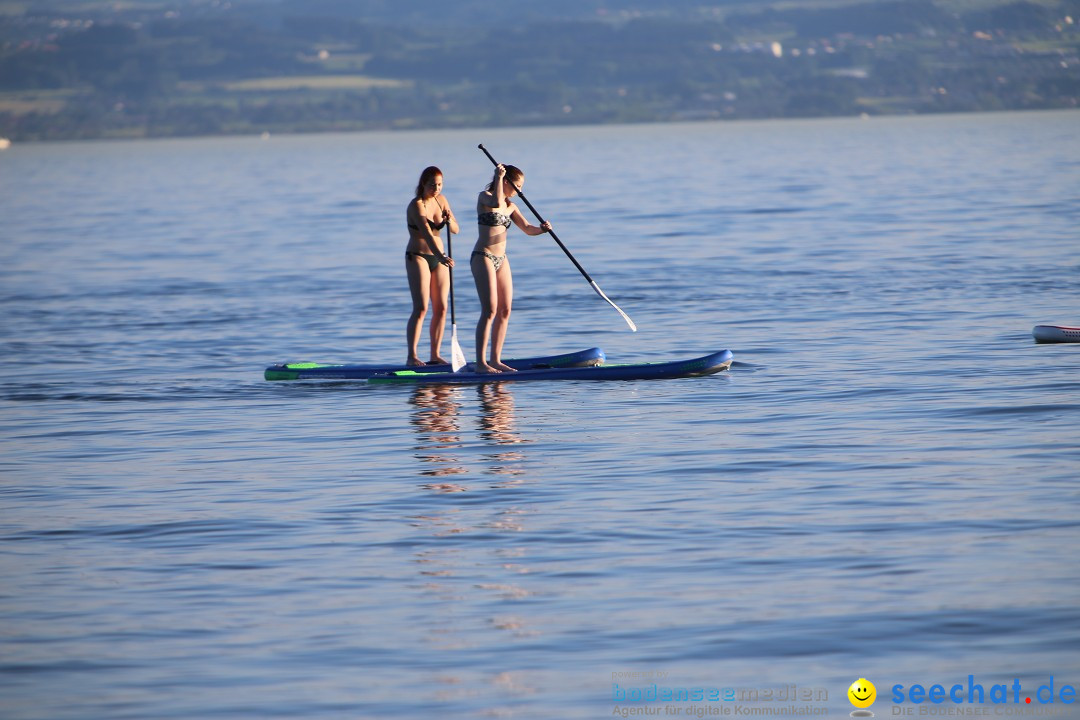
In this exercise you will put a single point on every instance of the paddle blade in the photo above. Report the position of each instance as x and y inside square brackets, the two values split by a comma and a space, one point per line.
[457, 358]
[625, 317]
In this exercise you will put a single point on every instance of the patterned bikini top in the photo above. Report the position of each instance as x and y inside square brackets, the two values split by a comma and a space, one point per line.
[493, 219]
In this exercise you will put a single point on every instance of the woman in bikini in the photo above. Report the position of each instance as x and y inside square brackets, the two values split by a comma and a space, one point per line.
[491, 267]
[426, 264]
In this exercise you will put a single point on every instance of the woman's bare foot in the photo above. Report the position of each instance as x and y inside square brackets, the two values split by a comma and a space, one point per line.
[483, 367]
[413, 361]
[503, 367]
[438, 361]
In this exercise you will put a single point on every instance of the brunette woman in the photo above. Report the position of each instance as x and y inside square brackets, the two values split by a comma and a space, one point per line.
[491, 267]
[426, 265]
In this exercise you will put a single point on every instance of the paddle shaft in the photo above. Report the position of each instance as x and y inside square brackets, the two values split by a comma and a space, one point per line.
[450, 253]
[541, 219]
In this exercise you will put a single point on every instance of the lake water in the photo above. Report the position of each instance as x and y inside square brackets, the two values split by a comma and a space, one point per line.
[883, 486]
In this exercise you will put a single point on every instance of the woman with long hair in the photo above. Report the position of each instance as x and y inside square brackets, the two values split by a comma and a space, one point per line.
[426, 265]
[491, 267]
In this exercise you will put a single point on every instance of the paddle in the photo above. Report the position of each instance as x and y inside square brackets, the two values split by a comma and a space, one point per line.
[457, 358]
[572, 258]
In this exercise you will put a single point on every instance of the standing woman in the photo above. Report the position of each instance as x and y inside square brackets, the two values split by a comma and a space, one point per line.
[491, 267]
[426, 264]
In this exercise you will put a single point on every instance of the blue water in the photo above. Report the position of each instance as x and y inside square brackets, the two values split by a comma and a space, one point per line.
[883, 486]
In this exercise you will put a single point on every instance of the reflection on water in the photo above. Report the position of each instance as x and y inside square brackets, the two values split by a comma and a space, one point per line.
[498, 425]
[467, 567]
[437, 418]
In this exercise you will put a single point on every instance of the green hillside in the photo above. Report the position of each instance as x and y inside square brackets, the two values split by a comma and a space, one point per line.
[138, 68]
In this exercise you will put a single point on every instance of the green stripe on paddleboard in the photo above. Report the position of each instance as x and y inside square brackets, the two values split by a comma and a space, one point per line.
[290, 371]
[411, 375]
[400, 376]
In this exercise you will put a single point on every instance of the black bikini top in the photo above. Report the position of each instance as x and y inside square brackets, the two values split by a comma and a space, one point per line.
[432, 225]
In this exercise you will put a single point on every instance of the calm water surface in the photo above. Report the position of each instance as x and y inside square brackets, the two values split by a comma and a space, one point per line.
[883, 486]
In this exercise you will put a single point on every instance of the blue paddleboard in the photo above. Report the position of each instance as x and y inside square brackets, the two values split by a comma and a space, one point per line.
[707, 365]
[321, 371]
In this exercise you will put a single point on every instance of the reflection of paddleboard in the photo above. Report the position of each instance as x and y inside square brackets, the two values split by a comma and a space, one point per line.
[1056, 334]
[319, 371]
[706, 365]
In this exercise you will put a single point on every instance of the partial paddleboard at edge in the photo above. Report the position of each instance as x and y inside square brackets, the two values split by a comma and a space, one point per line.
[1056, 334]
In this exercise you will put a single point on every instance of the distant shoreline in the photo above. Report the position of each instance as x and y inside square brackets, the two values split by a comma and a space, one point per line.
[106, 71]
[268, 135]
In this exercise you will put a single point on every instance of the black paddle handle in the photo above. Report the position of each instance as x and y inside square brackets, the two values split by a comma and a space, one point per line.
[541, 219]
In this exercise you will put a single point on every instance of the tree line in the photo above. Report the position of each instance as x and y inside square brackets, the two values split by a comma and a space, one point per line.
[217, 68]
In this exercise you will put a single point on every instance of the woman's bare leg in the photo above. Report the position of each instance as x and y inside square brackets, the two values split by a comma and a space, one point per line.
[439, 294]
[419, 288]
[486, 290]
[504, 287]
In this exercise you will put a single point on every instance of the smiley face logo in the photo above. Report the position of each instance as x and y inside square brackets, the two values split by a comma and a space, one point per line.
[862, 693]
